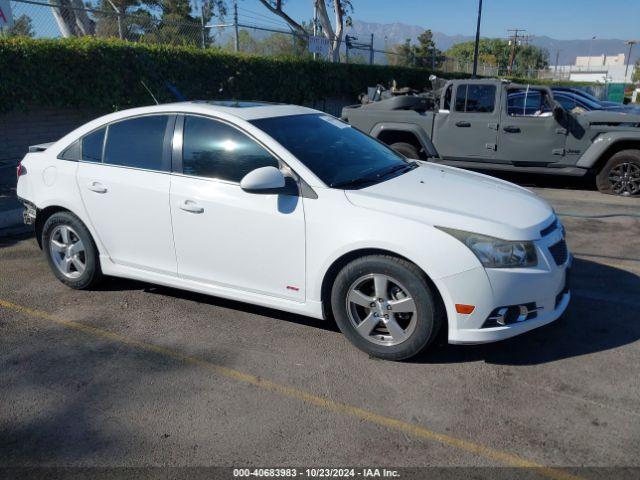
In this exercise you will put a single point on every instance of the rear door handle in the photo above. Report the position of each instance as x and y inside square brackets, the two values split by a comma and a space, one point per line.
[97, 187]
[191, 206]
[511, 129]
[462, 124]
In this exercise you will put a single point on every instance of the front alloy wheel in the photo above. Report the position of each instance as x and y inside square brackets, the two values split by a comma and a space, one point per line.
[381, 309]
[625, 179]
[621, 174]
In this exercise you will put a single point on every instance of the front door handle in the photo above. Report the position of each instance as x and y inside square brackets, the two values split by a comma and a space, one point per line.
[97, 187]
[191, 206]
[462, 124]
[511, 129]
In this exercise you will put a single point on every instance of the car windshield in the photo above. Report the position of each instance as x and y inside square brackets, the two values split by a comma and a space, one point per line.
[341, 156]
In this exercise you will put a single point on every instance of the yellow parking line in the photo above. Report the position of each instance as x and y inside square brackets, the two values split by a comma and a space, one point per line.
[291, 392]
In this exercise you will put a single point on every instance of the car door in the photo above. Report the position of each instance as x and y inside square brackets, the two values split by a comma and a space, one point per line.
[124, 179]
[468, 129]
[225, 236]
[529, 135]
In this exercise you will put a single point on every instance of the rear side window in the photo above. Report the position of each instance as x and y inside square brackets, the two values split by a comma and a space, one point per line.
[215, 150]
[92, 146]
[471, 98]
[138, 142]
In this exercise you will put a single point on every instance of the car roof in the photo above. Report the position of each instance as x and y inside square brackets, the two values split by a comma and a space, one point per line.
[246, 110]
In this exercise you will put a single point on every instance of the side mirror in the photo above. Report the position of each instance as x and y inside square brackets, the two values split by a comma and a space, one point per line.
[559, 113]
[263, 180]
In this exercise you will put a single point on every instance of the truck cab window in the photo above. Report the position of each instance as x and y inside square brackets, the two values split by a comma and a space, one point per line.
[472, 98]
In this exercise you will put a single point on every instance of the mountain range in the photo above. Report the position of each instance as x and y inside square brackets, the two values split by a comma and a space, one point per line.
[386, 35]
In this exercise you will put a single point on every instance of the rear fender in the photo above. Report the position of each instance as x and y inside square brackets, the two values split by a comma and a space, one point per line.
[417, 131]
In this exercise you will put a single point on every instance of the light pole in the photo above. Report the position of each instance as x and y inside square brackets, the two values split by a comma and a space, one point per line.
[589, 56]
[477, 44]
[631, 43]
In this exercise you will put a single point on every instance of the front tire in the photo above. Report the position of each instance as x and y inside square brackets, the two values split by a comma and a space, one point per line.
[621, 174]
[385, 306]
[71, 251]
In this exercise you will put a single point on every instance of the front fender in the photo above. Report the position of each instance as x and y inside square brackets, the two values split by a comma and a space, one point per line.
[602, 143]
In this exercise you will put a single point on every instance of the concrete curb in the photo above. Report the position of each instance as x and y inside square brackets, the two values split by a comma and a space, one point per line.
[11, 218]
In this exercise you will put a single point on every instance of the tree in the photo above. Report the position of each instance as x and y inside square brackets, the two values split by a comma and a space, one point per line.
[22, 27]
[636, 73]
[495, 52]
[401, 54]
[334, 33]
[72, 18]
[425, 53]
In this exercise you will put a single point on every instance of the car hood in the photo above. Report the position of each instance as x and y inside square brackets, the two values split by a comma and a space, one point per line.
[449, 197]
[611, 116]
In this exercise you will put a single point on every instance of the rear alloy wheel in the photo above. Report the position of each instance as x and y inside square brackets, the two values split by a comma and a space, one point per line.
[621, 174]
[70, 251]
[385, 306]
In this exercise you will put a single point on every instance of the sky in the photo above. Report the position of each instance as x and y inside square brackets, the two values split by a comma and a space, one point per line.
[559, 19]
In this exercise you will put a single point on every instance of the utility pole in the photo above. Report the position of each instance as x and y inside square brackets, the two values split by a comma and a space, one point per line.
[631, 43]
[235, 26]
[557, 61]
[589, 56]
[315, 25]
[516, 36]
[477, 44]
[371, 52]
[203, 39]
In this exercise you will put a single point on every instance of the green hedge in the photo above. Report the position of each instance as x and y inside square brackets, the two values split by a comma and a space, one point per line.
[107, 75]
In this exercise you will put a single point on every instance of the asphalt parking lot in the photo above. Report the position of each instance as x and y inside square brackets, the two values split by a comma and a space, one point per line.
[138, 375]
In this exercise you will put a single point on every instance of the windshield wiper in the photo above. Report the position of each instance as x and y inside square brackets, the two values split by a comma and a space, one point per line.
[376, 177]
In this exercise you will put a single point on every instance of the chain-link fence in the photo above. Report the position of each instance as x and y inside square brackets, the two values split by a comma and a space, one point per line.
[248, 31]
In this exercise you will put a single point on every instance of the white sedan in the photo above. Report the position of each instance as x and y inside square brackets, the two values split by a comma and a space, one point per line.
[290, 208]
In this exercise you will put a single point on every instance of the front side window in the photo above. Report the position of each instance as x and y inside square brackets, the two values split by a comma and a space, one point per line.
[137, 142]
[341, 156]
[92, 146]
[216, 150]
[472, 98]
[524, 102]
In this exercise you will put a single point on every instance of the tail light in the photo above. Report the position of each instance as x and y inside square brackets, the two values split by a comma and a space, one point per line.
[20, 170]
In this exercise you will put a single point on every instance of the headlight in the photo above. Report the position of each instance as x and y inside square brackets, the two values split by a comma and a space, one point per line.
[496, 253]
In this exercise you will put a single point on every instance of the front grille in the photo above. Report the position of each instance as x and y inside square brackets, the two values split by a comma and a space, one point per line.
[559, 252]
[548, 229]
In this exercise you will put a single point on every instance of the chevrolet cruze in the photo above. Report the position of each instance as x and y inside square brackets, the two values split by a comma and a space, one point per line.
[290, 208]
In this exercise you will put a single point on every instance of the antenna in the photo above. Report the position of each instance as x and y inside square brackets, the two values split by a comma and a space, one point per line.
[152, 96]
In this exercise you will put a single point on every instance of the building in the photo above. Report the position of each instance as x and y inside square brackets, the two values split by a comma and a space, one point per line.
[597, 68]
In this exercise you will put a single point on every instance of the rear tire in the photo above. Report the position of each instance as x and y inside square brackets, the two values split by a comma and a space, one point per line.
[621, 174]
[406, 150]
[71, 251]
[385, 306]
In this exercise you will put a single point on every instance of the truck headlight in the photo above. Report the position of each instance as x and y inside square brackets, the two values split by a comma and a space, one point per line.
[495, 252]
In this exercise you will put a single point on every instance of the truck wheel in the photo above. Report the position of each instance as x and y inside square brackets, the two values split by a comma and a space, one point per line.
[385, 306]
[406, 150]
[621, 174]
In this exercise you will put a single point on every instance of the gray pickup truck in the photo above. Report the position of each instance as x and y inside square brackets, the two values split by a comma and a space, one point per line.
[492, 124]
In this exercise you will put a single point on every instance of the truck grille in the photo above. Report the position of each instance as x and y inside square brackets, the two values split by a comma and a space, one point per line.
[559, 252]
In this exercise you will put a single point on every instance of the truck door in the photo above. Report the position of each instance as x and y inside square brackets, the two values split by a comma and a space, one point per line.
[529, 135]
[468, 129]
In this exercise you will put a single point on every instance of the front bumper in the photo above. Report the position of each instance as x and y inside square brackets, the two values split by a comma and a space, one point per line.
[544, 288]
